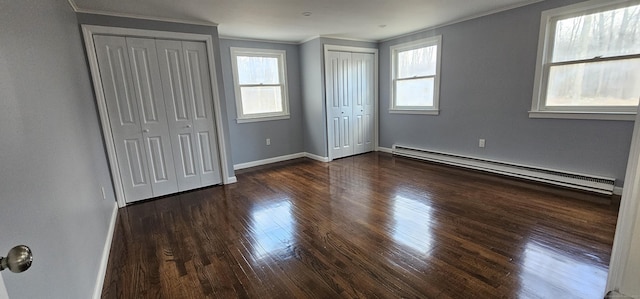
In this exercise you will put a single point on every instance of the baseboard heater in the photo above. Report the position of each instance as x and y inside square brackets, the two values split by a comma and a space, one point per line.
[598, 184]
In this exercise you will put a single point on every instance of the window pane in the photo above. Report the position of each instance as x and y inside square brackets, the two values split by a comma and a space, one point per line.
[415, 92]
[261, 99]
[417, 62]
[609, 83]
[608, 33]
[256, 70]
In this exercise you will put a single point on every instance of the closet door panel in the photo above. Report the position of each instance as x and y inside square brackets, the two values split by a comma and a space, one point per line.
[369, 104]
[363, 93]
[123, 111]
[153, 117]
[200, 99]
[333, 103]
[339, 98]
[180, 113]
[345, 75]
[357, 65]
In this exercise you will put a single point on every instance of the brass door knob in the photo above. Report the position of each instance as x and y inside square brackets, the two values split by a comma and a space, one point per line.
[18, 259]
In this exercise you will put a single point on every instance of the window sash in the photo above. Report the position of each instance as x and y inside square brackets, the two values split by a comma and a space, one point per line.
[415, 77]
[260, 85]
[413, 107]
[601, 108]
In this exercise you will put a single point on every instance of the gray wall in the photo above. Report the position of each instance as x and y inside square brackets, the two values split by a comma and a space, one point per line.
[313, 91]
[248, 139]
[487, 77]
[93, 19]
[313, 115]
[51, 152]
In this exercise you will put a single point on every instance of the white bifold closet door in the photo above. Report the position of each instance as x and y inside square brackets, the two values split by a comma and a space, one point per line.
[185, 79]
[162, 125]
[349, 91]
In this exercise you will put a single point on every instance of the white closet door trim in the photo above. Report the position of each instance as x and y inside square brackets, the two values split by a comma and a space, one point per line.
[328, 48]
[88, 31]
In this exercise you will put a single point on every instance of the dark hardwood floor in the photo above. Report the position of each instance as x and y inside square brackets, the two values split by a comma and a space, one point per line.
[369, 226]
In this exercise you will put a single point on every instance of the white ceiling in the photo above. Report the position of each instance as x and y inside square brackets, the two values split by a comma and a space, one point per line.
[282, 20]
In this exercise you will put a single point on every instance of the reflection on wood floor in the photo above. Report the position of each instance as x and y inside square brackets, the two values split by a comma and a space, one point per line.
[369, 226]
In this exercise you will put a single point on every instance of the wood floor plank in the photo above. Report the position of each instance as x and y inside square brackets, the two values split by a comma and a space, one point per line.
[368, 226]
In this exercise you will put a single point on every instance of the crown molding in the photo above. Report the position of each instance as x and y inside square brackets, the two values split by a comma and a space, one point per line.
[257, 40]
[77, 9]
[350, 39]
[308, 39]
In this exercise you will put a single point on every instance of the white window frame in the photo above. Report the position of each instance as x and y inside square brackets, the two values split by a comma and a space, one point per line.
[548, 21]
[422, 43]
[281, 55]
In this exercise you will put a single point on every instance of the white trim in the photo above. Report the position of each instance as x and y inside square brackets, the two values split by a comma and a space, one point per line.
[88, 31]
[384, 150]
[582, 115]
[73, 5]
[77, 9]
[281, 56]
[374, 51]
[246, 39]
[617, 190]
[268, 161]
[308, 39]
[231, 180]
[338, 48]
[464, 19]
[257, 119]
[280, 159]
[349, 39]
[546, 35]
[409, 111]
[412, 45]
[104, 261]
[627, 214]
[316, 157]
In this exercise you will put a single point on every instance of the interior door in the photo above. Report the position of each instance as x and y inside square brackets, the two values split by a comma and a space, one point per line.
[153, 117]
[177, 96]
[122, 107]
[339, 102]
[363, 94]
[200, 99]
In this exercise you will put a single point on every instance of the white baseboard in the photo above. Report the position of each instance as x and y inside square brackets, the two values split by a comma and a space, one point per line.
[384, 149]
[275, 160]
[316, 157]
[617, 190]
[268, 161]
[231, 180]
[104, 261]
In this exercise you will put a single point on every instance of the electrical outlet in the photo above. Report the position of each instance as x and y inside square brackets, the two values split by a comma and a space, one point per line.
[481, 143]
[268, 141]
[104, 196]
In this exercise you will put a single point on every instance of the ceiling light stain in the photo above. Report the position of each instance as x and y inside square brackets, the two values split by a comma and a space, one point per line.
[306, 13]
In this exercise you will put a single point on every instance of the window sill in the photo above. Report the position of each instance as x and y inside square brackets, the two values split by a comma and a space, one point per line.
[258, 119]
[408, 111]
[626, 116]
